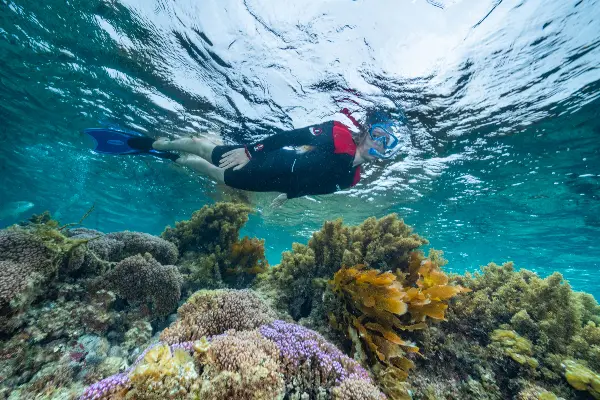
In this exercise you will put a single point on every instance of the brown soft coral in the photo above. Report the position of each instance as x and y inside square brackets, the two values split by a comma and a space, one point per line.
[212, 312]
[247, 256]
[210, 229]
[213, 256]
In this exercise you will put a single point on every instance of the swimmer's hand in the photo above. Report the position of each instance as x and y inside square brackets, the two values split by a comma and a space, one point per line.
[279, 200]
[235, 158]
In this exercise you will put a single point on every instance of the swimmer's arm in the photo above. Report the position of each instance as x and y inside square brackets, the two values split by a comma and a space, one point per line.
[296, 137]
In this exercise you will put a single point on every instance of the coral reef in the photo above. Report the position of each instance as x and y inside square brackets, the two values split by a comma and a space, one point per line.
[29, 258]
[242, 365]
[53, 307]
[143, 280]
[582, 378]
[78, 306]
[381, 288]
[105, 249]
[212, 254]
[311, 364]
[514, 332]
[211, 312]
[275, 360]
[515, 346]
[211, 229]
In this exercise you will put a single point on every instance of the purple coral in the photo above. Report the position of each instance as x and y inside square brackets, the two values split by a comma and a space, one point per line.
[301, 346]
[106, 387]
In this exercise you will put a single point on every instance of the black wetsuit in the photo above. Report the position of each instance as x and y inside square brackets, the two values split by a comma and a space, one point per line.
[327, 167]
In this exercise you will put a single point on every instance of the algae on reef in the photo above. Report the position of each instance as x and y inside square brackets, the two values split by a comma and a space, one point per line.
[373, 315]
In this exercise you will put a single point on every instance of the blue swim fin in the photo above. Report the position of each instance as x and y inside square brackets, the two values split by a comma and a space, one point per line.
[112, 141]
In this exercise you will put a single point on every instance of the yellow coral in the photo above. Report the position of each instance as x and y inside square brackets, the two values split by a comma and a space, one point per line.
[582, 378]
[515, 346]
[164, 374]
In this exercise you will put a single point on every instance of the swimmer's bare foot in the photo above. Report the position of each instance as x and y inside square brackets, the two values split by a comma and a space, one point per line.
[162, 144]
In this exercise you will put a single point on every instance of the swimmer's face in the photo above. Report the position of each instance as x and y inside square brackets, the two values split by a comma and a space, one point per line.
[369, 143]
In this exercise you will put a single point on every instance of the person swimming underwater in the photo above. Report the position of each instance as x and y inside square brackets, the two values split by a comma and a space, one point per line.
[332, 163]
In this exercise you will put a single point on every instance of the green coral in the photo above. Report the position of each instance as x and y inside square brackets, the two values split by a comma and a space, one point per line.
[513, 315]
[515, 346]
[582, 378]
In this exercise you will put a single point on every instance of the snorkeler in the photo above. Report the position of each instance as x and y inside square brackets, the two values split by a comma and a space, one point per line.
[331, 163]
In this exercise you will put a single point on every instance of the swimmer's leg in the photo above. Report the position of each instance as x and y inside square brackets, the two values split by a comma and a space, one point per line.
[198, 146]
[199, 164]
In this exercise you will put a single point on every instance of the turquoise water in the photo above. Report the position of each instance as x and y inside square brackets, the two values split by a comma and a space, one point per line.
[502, 98]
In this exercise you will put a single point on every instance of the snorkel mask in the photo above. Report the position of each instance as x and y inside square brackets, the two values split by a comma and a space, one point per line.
[382, 133]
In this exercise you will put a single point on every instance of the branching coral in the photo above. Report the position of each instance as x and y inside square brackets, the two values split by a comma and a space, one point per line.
[310, 363]
[212, 312]
[142, 279]
[273, 360]
[240, 366]
[276, 361]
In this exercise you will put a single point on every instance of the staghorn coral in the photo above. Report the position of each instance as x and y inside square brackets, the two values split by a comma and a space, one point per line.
[240, 366]
[212, 312]
[212, 254]
[142, 279]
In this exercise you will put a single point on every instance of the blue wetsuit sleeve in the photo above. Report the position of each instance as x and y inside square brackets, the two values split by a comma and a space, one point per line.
[296, 137]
